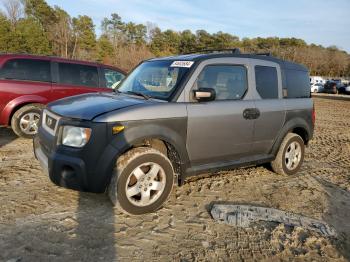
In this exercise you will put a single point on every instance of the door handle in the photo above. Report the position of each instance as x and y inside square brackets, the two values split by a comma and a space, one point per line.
[256, 113]
[248, 113]
[251, 113]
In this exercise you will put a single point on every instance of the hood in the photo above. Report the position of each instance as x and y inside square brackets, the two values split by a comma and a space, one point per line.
[88, 106]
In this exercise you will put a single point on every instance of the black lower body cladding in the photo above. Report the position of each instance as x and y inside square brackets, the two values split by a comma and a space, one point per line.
[90, 168]
[84, 169]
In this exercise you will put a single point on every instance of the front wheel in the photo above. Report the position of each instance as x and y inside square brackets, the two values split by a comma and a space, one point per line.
[290, 155]
[142, 181]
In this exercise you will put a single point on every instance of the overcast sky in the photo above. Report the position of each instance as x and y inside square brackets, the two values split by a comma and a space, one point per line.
[325, 22]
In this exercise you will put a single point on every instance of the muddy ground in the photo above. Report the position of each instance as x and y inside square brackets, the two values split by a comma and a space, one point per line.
[41, 222]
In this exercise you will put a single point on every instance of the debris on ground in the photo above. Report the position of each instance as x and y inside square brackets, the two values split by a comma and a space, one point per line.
[246, 215]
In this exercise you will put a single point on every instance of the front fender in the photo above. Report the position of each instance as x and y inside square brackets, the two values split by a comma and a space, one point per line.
[17, 102]
[172, 131]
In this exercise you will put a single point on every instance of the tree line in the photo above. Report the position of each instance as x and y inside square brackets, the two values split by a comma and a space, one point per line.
[33, 26]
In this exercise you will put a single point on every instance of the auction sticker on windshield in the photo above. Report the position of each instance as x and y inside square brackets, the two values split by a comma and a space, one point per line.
[182, 64]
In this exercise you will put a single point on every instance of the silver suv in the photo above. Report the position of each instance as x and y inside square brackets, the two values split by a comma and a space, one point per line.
[176, 117]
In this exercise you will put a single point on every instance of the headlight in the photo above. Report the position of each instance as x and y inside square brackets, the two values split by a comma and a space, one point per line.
[75, 136]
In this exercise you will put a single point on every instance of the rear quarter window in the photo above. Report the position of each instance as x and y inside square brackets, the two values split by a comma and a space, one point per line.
[298, 84]
[26, 69]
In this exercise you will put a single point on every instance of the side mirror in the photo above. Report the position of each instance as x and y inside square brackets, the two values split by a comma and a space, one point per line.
[204, 94]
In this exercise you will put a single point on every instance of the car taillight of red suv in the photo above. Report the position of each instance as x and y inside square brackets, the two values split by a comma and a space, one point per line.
[28, 83]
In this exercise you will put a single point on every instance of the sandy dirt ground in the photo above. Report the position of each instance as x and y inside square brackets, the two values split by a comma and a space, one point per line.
[42, 222]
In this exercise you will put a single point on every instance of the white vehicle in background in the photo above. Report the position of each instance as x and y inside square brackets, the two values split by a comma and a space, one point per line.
[317, 80]
[317, 88]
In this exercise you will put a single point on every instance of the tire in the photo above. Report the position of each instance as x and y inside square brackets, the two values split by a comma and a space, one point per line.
[283, 164]
[24, 121]
[127, 177]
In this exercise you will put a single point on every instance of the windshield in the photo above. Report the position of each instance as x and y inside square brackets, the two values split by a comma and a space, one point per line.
[157, 79]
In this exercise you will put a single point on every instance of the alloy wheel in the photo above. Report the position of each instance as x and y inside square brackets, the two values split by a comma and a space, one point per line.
[29, 123]
[293, 155]
[145, 184]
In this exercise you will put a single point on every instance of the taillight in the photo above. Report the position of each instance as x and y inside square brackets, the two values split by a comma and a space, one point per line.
[313, 115]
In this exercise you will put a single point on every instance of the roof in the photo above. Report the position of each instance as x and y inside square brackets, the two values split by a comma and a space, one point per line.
[204, 56]
[56, 58]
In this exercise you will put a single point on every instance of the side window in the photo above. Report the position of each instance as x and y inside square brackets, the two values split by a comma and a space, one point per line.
[228, 81]
[26, 69]
[75, 74]
[298, 85]
[266, 81]
[112, 78]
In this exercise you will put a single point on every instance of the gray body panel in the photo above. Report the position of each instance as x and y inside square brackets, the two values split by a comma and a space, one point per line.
[272, 112]
[146, 111]
[268, 125]
[218, 132]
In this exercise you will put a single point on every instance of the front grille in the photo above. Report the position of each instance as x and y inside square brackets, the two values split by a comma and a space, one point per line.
[50, 122]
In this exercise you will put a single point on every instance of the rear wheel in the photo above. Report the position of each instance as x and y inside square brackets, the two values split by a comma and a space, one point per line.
[25, 120]
[290, 155]
[142, 181]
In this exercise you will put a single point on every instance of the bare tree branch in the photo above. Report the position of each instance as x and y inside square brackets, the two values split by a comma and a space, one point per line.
[13, 10]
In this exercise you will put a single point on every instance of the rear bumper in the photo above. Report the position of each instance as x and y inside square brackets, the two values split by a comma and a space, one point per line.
[74, 169]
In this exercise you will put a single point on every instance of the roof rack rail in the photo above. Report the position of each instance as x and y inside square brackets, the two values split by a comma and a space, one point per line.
[230, 50]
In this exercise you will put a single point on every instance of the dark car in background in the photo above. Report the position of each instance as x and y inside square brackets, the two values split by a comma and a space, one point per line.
[331, 87]
[344, 89]
[28, 83]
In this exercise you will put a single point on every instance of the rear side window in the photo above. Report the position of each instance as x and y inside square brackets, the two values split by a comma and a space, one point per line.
[112, 77]
[228, 81]
[75, 74]
[266, 81]
[298, 85]
[26, 69]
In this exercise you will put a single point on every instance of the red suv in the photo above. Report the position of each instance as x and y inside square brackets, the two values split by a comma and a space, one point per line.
[27, 83]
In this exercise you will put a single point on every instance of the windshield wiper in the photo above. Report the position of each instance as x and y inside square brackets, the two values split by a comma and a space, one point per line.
[138, 94]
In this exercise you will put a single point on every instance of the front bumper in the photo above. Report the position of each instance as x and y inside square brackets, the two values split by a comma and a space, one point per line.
[87, 169]
[65, 171]
[40, 156]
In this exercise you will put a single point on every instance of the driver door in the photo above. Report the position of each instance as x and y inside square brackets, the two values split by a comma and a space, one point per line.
[217, 130]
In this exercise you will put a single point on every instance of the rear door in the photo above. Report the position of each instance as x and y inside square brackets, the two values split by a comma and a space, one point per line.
[73, 79]
[217, 130]
[269, 102]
